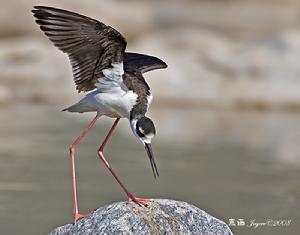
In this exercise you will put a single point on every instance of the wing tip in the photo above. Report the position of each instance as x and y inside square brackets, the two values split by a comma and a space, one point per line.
[39, 8]
[42, 11]
[142, 62]
[164, 64]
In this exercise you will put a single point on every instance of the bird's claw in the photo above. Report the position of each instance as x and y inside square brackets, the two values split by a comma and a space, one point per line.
[137, 200]
[78, 216]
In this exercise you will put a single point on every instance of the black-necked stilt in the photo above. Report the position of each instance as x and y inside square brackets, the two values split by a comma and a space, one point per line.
[113, 77]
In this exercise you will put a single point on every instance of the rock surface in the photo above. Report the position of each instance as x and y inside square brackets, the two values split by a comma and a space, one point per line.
[161, 216]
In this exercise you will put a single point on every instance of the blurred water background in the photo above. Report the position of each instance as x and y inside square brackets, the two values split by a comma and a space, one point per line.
[227, 112]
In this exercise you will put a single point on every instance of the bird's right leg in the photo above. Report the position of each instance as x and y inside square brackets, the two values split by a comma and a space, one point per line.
[131, 198]
[76, 214]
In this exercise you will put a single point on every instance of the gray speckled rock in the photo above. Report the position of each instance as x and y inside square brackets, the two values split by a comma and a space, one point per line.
[161, 216]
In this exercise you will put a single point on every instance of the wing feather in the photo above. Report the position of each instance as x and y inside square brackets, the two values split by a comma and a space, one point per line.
[91, 45]
[142, 63]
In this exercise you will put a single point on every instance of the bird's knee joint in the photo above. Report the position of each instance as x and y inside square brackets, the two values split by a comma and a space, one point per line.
[72, 148]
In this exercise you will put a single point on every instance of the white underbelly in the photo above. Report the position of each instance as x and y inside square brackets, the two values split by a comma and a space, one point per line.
[115, 104]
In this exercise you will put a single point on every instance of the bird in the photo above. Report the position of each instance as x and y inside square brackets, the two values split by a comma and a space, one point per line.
[111, 78]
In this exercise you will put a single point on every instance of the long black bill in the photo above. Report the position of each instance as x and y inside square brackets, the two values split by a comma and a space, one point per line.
[151, 158]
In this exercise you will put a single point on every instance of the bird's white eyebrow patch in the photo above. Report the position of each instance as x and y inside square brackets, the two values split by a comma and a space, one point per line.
[141, 130]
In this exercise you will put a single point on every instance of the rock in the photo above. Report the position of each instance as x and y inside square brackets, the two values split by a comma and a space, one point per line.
[161, 216]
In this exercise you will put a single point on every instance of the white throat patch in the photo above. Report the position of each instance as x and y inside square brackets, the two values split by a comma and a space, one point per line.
[147, 139]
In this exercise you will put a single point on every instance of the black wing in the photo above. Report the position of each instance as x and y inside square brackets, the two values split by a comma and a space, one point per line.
[142, 63]
[91, 45]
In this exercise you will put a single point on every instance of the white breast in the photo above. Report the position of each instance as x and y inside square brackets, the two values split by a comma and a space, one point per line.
[117, 104]
[111, 98]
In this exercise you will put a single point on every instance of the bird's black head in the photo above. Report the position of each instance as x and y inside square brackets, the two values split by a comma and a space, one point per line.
[144, 129]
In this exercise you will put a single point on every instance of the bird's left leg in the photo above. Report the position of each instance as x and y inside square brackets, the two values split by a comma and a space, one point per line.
[76, 214]
[131, 198]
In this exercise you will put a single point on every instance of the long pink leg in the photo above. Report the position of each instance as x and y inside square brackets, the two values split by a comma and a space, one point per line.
[131, 198]
[76, 214]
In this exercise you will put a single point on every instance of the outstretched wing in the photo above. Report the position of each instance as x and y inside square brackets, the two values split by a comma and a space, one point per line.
[142, 63]
[91, 45]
